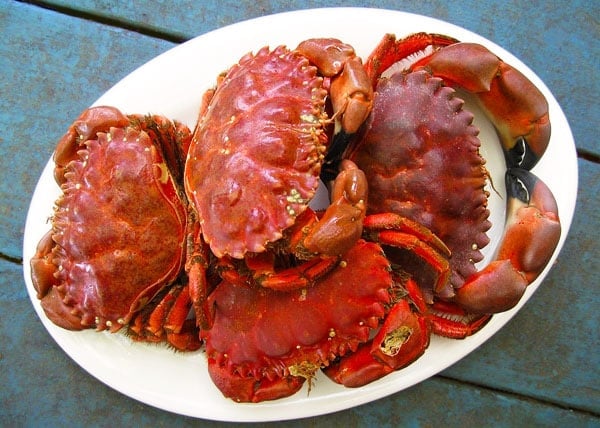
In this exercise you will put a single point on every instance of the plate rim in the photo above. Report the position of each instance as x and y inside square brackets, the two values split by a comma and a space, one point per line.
[288, 408]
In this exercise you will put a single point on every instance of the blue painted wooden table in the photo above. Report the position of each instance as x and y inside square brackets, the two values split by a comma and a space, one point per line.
[58, 56]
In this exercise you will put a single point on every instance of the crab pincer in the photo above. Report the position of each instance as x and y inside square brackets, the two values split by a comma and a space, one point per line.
[532, 233]
[420, 152]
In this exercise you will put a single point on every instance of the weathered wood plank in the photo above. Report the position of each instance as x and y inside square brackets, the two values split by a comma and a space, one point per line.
[547, 352]
[41, 386]
[52, 66]
[544, 35]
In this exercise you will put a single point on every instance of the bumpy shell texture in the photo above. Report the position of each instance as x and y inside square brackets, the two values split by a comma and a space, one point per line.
[420, 153]
[119, 228]
[263, 332]
[256, 154]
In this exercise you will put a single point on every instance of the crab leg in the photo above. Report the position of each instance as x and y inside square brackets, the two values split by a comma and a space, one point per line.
[391, 221]
[531, 235]
[291, 278]
[167, 320]
[516, 107]
[157, 319]
[395, 230]
[390, 50]
[196, 266]
[450, 320]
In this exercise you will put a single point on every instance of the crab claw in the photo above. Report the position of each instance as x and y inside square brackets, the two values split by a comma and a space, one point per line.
[352, 95]
[402, 338]
[341, 225]
[531, 235]
[516, 107]
[533, 226]
[351, 91]
[496, 288]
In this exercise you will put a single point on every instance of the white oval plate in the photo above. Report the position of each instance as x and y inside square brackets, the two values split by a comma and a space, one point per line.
[172, 84]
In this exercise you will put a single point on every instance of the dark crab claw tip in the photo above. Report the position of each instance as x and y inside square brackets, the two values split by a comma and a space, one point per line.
[519, 183]
[526, 187]
[521, 155]
[533, 228]
[335, 154]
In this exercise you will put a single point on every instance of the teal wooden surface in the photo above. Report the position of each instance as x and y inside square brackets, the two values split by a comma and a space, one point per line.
[541, 369]
[558, 40]
[53, 66]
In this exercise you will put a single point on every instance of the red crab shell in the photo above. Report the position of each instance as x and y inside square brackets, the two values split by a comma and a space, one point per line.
[257, 151]
[118, 230]
[259, 332]
[420, 153]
